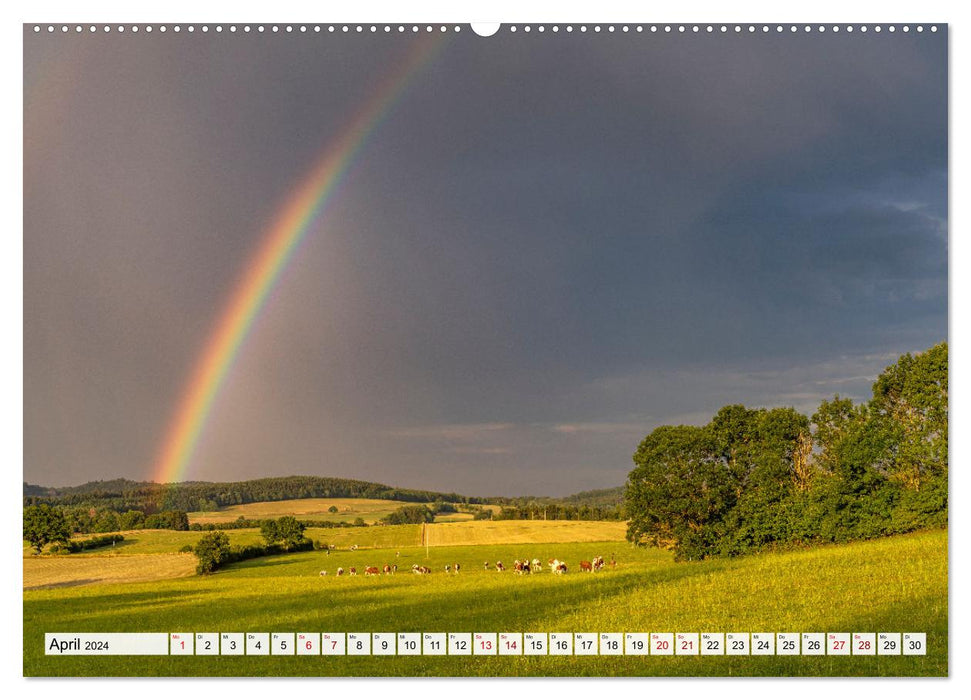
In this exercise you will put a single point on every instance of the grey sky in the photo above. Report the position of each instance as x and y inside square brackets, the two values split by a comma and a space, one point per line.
[552, 245]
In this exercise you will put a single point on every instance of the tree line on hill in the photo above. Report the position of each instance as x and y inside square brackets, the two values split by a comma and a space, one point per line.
[558, 511]
[122, 504]
[44, 524]
[753, 479]
[122, 495]
[242, 523]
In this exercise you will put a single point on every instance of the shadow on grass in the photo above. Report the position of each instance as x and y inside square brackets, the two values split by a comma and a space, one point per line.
[409, 603]
[63, 584]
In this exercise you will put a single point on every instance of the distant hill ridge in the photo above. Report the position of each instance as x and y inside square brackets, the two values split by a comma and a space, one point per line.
[123, 494]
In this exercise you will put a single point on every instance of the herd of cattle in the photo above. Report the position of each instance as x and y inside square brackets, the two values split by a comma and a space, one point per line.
[524, 566]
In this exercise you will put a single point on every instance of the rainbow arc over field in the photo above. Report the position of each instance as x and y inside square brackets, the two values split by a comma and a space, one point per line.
[290, 225]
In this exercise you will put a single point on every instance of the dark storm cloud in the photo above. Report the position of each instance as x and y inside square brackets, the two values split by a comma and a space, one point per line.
[551, 245]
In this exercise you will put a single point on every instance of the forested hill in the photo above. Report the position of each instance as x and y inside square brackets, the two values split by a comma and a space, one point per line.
[147, 496]
[150, 497]
[597, 497]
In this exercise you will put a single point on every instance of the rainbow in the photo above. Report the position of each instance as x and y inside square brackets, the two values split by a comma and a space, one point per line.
[282, 239]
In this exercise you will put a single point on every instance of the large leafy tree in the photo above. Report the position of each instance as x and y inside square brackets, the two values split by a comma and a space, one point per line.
[678, 491]
[910, 405]
[211, 551]
[270, 531]
[289, 531]
[768, 470]
[44, 525]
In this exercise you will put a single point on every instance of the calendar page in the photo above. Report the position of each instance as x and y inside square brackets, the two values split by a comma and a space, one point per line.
[517, 349]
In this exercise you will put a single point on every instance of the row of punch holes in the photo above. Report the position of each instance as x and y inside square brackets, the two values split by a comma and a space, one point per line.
[414, 28]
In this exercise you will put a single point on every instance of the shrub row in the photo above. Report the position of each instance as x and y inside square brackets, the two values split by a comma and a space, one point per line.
[247, 523]
[74, 546]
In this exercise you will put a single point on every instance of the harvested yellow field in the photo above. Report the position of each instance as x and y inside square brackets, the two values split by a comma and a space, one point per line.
[523, 532]
[348, 509]
[453, 517]
[78, 570]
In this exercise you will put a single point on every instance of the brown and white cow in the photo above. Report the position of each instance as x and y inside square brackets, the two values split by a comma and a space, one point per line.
[352, 571]
[371, 571]
[340, 570]
[499, 566]
[586, 566]
[387, 568]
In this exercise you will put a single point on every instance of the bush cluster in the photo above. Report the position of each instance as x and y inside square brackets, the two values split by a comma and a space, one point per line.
[214, 549]
[74, 546]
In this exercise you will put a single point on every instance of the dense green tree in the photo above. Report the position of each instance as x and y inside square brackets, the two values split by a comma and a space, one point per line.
[269, 531]
[44, 525]
[409, 515]
[679, 490]
[168, 520]
[107, 521]
[758, 478]
[211, 551]
[131, 520]
[910, 403]
[289, 531]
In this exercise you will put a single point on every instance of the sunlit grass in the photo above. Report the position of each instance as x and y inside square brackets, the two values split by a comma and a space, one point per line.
[894, 584]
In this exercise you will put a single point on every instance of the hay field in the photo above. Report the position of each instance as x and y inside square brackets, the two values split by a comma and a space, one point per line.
[80, 570]
[523, 532]
[371, 510]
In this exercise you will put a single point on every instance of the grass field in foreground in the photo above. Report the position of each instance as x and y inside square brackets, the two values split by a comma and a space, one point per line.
[893, 584]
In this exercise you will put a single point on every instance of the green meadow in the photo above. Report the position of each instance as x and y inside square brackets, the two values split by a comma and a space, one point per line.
[896, 584]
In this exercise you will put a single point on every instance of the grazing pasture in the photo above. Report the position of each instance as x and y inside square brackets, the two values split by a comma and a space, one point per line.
[893, 584]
